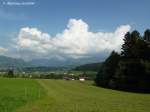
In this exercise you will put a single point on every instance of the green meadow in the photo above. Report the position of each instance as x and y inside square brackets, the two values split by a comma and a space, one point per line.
[27, 95]
[15, 93]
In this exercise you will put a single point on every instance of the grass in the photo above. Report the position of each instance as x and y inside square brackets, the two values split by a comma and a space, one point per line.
[15, 93]
[26, 95]
[74, 96]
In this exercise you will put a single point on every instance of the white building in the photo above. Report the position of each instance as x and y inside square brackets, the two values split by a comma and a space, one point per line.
[82, 79]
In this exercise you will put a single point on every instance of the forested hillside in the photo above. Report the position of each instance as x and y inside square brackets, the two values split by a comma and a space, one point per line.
[89, 67]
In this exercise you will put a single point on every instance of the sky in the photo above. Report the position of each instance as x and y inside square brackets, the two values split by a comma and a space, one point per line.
[68, 28]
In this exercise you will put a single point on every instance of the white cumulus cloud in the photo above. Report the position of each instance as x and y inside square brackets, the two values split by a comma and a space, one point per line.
[75, 41]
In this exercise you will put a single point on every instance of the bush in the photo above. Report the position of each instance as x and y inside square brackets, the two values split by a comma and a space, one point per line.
[10, 74]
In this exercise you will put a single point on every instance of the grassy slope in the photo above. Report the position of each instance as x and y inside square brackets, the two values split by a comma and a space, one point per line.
[73, 96]
[17, 92]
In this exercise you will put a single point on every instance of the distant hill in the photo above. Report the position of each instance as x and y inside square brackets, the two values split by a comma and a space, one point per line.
[20, 64]
[8, 62]
[69, 63]
[89, 67]
[48, 64]
[41, 69]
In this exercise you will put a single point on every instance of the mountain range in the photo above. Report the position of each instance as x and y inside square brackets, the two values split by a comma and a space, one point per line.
[9, 62]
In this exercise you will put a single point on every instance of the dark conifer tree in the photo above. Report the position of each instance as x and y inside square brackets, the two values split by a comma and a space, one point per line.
[147, 35]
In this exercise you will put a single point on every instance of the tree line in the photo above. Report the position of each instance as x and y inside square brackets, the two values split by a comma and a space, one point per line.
[130, 69]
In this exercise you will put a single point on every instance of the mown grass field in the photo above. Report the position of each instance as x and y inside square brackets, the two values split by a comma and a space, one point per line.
[15, 93]
[67, 96]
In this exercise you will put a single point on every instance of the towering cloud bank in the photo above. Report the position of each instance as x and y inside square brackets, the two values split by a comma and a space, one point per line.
[75, 41]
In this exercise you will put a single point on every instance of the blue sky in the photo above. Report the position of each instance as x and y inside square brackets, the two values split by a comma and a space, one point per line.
[52, 16]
